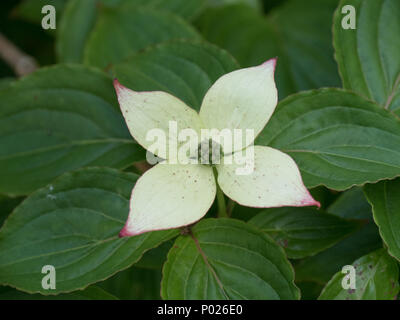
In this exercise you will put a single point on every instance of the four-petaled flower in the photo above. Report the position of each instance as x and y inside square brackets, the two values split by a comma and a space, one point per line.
[175, 195]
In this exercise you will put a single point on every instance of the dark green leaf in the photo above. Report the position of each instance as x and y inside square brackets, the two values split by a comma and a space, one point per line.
[351, 204]
[134, 284]
[303, 232]
[227, 259]
[299, 33]
[376, 279]
[6, 82]
[184, 69]
[309, 290]
[59, 119]
[79, 18]
[337, 138]
[187, 9]
[6, 206]
[321, 267]
[252, 3]
[368, 56]
[385, 200]
[75, 26]
[155, 258]
[120, 32]
[31, 10]
[90, 293]
[73, 224]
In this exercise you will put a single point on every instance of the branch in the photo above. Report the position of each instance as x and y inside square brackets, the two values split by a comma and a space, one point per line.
[19, 61]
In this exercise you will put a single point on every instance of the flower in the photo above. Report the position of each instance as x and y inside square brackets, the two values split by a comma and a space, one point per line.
[175, 195]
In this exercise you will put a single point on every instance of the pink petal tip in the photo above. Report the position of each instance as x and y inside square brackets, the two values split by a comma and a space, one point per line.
[272, 62]
[117, 85]
[310, 201]
[125, 233]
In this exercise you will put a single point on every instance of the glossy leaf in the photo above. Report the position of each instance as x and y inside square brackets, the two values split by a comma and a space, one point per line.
[321, 267]
[59, 119]
[289, 33]
[185, 69]
[368, 56]
[351, 204]
[303, 232]
[74, 28]
[337, 138]
[227, 259]
[120, 32]
[384, 198]
[79, 19]
[73, 224]
[376, 279]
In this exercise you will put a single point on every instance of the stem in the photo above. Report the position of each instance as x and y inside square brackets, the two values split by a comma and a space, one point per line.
[222, 213]
[19, 61]
[221, 204]
[230, 206]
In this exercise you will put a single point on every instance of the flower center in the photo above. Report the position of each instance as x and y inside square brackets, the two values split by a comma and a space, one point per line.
[209, 152]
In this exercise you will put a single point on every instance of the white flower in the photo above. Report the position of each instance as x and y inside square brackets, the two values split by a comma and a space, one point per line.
[174, 195]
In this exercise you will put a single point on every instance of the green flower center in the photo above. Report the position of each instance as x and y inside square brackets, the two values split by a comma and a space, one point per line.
[209, 152]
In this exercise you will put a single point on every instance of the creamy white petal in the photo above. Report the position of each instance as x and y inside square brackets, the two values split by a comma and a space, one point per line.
[275, 180]
[149, 113]
[242, 99]
[170, 196]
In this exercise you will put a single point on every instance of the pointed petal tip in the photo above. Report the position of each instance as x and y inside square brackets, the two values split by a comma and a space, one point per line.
[128, 233]
[310, 201]
[271, 62]
[124, 233]
[116, 83]
[118, 86]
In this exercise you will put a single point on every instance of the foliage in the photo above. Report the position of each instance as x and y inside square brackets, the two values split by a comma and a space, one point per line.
[68, 162]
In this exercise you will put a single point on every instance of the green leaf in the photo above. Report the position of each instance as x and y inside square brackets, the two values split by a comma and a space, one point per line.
[184, 69]
[73, 224]
[309, 290]
[337, 138]
[134, 284]
[303, 232]
[79, 18]
[56, 120]
[90, 293]
[376, 279]
[351, 204]
[321, 267]
[187, 9]
[6, 82]
[385, 200]
[6, 206]
[368, 56]
[74, 28]
[299, 33]
[120, 32]
[155, 258]
[227, 259]
[31, 10]
[252, 3]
